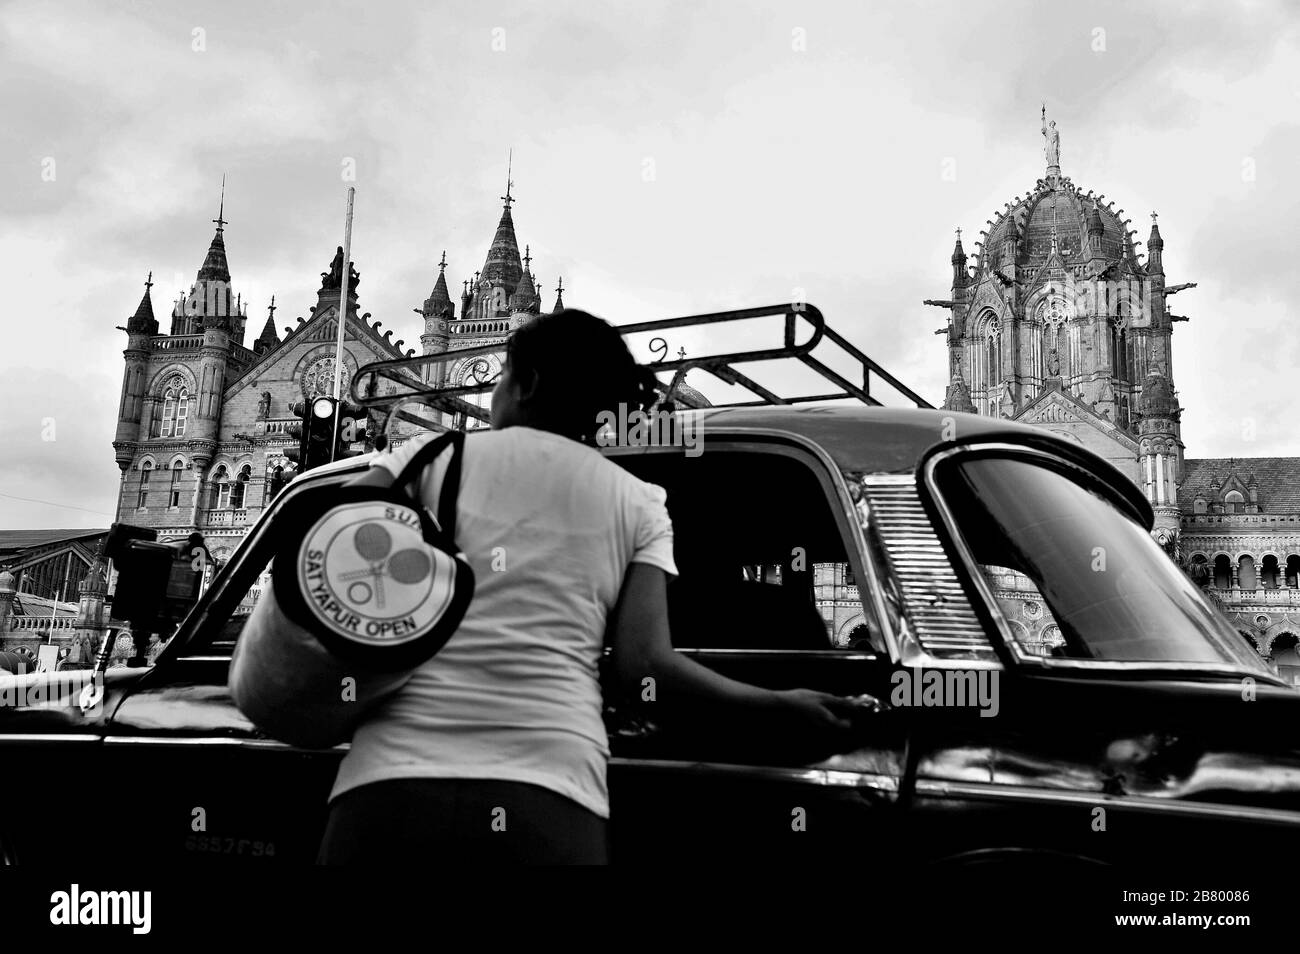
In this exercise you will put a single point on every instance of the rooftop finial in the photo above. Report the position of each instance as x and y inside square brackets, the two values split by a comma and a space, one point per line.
[148, 282]
[1153, 218]
[1052, 147]
[510, 163]
[527, 256]
[959, 234]
[221, 213]
[442, 264]
[270, 310]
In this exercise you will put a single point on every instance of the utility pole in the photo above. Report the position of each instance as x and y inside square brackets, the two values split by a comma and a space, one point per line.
[339, 366]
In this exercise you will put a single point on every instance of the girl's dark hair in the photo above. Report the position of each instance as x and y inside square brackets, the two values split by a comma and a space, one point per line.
[583, 368]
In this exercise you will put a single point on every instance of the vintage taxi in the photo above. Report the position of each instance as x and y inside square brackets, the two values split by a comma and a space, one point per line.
[885, 553]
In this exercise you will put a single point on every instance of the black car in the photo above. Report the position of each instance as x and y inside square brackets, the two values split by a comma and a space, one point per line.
[882, 553]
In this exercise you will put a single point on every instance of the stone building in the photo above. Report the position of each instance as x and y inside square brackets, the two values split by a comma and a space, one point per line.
[204, 419]
[1059, 322]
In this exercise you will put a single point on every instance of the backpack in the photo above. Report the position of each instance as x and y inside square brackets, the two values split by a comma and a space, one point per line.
[366, 585]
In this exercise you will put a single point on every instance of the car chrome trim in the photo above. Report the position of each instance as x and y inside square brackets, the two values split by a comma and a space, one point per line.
[859, 553]
[945, 624]
[43, 737]
[769, 773]
[1142, 802]
[1012, 645]
[218, 742]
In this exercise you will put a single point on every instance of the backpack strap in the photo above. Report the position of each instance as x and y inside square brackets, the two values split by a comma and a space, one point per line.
[450, 481]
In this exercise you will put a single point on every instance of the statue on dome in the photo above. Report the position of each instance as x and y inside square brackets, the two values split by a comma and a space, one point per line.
[1052, 147]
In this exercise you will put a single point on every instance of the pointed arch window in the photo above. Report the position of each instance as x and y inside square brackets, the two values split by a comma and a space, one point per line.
[146, 471]
[176, 406]
[239, 488]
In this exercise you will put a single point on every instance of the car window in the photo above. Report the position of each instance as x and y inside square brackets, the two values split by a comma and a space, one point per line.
[760, 552]
[1073, 575]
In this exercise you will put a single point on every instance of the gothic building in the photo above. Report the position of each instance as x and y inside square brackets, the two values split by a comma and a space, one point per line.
[1059, 322]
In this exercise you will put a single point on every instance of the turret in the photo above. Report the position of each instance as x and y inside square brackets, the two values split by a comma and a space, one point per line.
[957, 396]
[140, 327]
[525, 297]
[960, 278]
[438, 311]
[1155, 249]
[1010, 246]
[559, 296]
[268, 340]
[1160, 450]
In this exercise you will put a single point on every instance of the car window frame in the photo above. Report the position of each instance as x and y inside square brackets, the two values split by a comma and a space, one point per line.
[966, 564]
[200, 627]
[835, 486]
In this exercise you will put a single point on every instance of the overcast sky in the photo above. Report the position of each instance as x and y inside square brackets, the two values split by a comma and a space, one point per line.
[668, 159]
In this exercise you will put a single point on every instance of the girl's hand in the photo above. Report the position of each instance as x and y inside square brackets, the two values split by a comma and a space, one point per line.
[816, 710]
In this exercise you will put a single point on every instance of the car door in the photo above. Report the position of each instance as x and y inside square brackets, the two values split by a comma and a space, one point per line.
[770, 591]
[194, 779]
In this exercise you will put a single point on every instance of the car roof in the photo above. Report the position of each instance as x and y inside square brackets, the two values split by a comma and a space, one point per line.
[872, 439]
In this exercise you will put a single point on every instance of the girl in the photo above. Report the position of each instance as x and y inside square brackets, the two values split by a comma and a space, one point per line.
[494, 750]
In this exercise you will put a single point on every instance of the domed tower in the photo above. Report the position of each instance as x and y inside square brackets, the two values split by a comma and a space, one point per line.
[1058, 322]
[1161, 450]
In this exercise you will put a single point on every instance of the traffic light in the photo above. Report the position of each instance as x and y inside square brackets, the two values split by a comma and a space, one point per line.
[353, 427]
[317, 433]
[318, 442]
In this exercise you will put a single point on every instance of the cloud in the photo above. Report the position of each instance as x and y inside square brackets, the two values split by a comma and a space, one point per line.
[667, 160]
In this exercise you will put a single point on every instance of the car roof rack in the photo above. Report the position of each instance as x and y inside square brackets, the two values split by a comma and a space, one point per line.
[407, 378]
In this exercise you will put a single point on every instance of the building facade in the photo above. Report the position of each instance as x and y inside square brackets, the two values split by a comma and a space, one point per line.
[1058, 322]
[205, 417]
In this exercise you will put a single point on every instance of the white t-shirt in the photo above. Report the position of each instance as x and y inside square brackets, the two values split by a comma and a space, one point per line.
[549, 527]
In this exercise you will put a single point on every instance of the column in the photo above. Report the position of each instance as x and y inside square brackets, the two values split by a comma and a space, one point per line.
[1146, 469]
[1160, 478]
[1236, 573]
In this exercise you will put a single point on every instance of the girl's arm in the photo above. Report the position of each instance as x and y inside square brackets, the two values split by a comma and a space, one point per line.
[642, 648]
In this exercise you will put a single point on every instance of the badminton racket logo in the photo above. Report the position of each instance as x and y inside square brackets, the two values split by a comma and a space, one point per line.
[368, 573]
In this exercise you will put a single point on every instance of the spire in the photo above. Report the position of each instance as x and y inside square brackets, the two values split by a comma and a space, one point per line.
[958, 263]
[268, 338]
[525, 296]
[559, 296]
[143, 321]
[510, 162]
[439, 301]
[502, 266]
[1155, 250]
[221, 211]
[214, 266]
[1154, 241]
